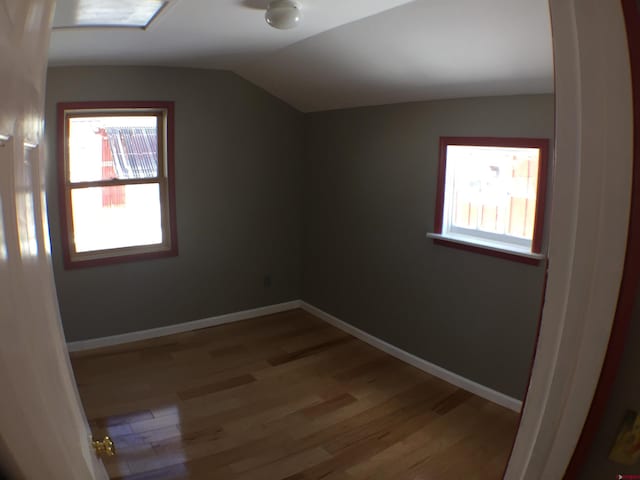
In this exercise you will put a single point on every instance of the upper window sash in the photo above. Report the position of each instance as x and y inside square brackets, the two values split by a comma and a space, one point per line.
[161, 124]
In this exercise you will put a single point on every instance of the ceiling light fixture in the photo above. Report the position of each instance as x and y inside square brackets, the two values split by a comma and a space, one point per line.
[283, 14]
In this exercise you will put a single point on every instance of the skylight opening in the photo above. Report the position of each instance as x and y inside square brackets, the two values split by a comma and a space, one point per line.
[107, 13]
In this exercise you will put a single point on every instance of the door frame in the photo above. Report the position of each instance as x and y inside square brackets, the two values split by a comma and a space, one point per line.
[631, 275]
[43, 429]
[588, 232]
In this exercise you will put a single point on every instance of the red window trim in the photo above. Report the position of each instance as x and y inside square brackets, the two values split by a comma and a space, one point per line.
[540, 143]
[172, 251]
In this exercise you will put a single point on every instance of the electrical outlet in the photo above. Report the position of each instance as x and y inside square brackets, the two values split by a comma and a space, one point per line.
[267, 280]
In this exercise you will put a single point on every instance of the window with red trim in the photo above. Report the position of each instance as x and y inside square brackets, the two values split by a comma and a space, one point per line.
[116, 181]
[491, 193]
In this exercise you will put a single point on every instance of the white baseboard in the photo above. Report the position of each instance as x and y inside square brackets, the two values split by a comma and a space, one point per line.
[435, 370]
[450, 377]
[180, 327]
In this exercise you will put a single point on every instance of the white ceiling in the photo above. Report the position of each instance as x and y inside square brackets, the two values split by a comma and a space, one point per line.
[346, 52]
[202, 33]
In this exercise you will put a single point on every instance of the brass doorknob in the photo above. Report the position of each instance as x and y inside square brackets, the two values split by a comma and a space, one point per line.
[104, 447]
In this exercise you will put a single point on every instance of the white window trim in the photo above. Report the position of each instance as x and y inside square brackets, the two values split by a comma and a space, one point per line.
[469, 236]
[487, 245]
[504, 243]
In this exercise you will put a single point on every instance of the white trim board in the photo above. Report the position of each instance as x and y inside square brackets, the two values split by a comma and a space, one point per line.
[421, 364]
[92, 343]
[587, 228]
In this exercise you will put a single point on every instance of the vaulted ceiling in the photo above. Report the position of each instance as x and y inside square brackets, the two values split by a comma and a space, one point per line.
[345, 53]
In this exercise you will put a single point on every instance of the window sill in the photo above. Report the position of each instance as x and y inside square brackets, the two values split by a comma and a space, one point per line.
[494, 250]
[114, 256]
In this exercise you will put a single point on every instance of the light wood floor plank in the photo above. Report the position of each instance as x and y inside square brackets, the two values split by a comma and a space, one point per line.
[284, 396]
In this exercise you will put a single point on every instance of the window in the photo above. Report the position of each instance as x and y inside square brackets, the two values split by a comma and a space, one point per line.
[113, 13]
[115, 170]
[490, 195]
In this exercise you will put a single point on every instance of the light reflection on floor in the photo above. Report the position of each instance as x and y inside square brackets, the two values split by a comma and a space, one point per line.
[284, 396]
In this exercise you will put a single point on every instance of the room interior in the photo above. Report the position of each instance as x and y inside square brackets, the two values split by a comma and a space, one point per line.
[319, 165]
[305, 179]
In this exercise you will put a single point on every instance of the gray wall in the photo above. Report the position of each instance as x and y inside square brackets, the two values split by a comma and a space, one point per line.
[624, 396]
[334, 206]
[369, 201]
[238, 185]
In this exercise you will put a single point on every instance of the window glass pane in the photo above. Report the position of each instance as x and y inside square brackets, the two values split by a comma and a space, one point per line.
[115, 217]
[113, 147]
[118, 13]
[492, 189]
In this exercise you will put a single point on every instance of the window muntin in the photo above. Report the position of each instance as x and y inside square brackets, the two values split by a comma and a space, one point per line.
[116, 172]
[491, 192]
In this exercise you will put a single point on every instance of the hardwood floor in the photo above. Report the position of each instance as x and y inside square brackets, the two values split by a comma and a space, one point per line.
[284, 396]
